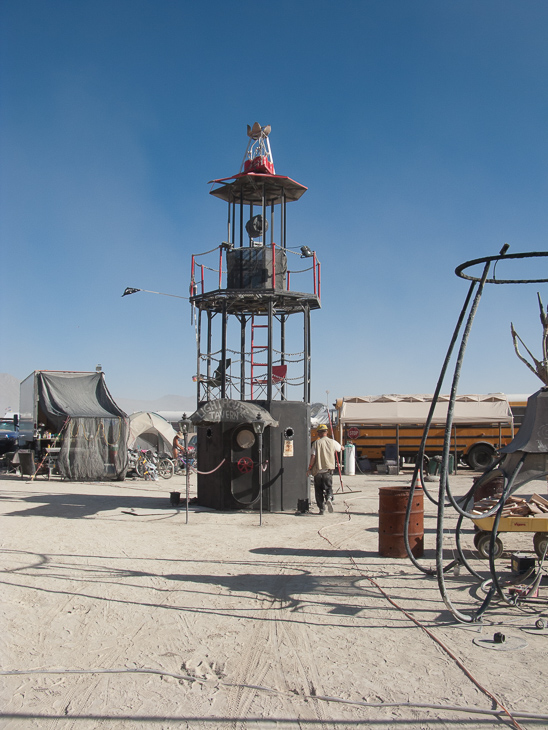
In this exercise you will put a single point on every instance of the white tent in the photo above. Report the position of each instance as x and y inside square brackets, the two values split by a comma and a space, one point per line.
[413, 409]
[150, 431]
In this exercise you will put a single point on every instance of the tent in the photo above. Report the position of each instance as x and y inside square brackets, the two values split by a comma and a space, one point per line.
[93, 428]
[150, 431]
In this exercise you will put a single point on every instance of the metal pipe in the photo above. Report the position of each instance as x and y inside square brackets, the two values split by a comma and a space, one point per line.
[260, 444]
[456, 449]
[282, 348]
[305, 354]
[319, 280]
[242, 356]
[223, 352]
[269, 358]
[198, 347]
[398, 447]
[187, 470]
[241, 218]
[309, 351]
[209, 321]
[263, 212]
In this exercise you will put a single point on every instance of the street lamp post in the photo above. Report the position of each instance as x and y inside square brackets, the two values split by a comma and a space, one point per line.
[184, 424]
[258, 427]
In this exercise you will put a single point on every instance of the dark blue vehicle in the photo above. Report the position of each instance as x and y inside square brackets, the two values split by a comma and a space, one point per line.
[8, 434]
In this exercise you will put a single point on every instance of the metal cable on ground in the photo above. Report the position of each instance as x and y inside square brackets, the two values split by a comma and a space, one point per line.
[420, 625]
[262, 688]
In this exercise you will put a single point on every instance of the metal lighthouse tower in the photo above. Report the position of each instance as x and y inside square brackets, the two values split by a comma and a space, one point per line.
[252, 317]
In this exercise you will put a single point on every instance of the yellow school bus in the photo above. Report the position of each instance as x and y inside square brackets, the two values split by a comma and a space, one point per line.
[391, 426]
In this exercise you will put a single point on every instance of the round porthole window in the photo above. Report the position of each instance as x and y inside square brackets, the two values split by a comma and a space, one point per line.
[245, 438]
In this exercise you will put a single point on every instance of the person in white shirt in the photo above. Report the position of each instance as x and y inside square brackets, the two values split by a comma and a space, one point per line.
[322, 463]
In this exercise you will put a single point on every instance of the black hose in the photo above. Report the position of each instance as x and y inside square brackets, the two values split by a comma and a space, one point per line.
[418, 470]
[505, 493]
[462, 558]
[444, 468]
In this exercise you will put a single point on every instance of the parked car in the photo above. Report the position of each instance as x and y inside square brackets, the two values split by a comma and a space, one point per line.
[8, 434]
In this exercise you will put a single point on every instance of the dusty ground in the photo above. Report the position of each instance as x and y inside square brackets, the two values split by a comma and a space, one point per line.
[134, 618]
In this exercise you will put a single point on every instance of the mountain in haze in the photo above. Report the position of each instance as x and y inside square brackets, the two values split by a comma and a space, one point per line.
[9, 393]
[165, 403]
[9, 400]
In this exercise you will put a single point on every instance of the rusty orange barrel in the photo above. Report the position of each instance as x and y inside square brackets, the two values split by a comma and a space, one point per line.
[392, 507]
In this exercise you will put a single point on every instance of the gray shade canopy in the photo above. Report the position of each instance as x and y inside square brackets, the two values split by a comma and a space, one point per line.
[226, 410]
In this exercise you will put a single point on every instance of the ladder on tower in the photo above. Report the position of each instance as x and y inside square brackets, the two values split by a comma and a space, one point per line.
[257, 349]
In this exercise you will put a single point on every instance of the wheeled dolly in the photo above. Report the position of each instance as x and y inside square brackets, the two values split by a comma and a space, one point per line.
[537, 525]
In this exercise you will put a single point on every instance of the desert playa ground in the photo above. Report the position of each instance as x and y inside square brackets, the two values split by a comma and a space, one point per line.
[117, 612]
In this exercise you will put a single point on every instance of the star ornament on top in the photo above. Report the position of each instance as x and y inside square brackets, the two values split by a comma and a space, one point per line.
[540, 367]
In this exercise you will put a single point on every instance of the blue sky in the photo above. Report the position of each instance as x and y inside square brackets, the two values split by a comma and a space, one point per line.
[419, 127]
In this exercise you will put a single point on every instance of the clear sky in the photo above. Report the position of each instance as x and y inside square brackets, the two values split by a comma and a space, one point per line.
[420, 128]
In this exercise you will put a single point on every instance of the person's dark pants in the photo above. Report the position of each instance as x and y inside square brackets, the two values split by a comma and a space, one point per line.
[323, 488]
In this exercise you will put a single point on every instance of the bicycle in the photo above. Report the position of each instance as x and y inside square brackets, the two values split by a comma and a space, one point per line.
[149, 465]
[179, 464]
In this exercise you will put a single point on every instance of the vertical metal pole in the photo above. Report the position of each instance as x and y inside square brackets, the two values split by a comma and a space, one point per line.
[398, 447]
[229, 225]
[269, 359]
[263, 211]
[241, 218]
[314, 272]
[309, 347]
[305, 354]
[185, 439]
[282, 221]
[456, 450]
[242, 357]
[198, 346]
[272, 223]
[273, 245]
[220, 265]
[260, 440]
[250, 216]
[319, 280]
[223, 353]
[233, 220]
[282, 348]
[209, 320]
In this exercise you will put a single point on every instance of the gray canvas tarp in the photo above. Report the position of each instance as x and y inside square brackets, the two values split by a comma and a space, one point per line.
[413, 409]
[93, 428]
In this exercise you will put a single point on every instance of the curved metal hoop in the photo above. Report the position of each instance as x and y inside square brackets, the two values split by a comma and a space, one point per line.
[459, 271]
